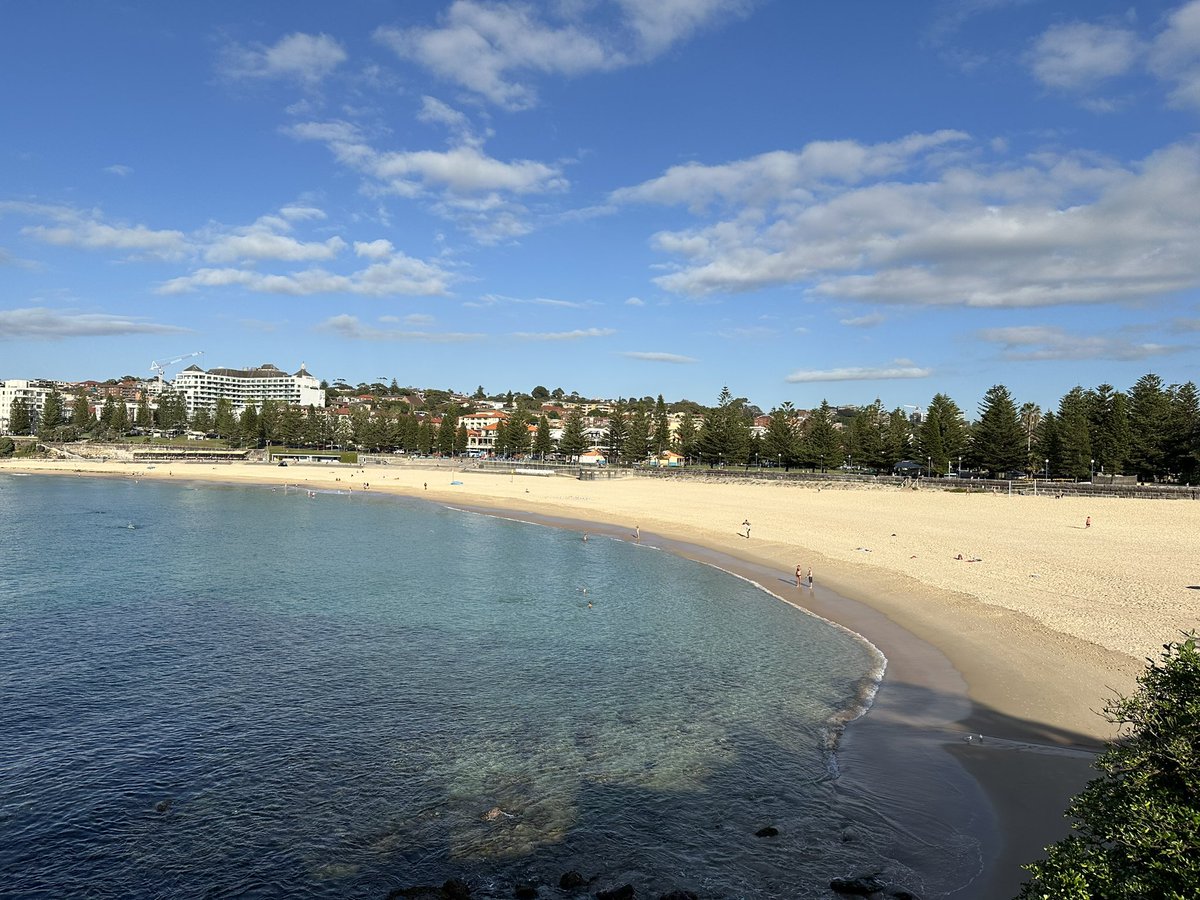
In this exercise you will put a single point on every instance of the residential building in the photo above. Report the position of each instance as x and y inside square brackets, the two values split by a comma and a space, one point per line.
[246, 387]
[33, 391]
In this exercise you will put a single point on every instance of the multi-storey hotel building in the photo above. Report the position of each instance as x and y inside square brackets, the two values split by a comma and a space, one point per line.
[246, 387]
[34, 392]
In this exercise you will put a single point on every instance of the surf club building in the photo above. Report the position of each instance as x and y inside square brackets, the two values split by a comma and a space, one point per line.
[246, 387]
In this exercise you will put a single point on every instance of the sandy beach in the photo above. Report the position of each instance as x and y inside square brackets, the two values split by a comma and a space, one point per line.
[1001, 615]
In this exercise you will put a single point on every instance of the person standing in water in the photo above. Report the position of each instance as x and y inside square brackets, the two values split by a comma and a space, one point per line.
[799, 577]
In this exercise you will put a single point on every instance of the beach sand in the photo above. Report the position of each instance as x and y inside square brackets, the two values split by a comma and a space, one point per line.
[1022, 640]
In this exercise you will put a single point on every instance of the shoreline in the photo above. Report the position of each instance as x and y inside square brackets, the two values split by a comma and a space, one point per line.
[957, 665]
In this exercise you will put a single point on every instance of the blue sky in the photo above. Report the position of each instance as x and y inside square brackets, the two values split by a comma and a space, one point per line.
[799, 200]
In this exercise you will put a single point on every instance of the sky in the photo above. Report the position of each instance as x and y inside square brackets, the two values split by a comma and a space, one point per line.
[802, 201]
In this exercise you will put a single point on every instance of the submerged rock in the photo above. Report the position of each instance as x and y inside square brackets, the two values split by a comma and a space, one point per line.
[860, 886]
[678, 895]
[525, 891]
[451, 889]
[624, 892]
[769, 831]
[571, 881]
[163, 806]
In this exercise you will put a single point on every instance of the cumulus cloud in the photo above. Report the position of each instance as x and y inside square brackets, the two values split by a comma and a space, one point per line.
[119, 170]
[577, 334]
[462, 183]
[496, 49]
[1041, 342]
[929, 229]
[654, 356]
[41, 323]
[1175, 55]
[1078, 55]
[350, 327]
[307, 58]
[380, 249]
[399, 275]
[885, 373]
[635, 301]
[73, 228]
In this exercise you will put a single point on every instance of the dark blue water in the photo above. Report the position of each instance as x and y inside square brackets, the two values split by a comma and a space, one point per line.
[220, 692]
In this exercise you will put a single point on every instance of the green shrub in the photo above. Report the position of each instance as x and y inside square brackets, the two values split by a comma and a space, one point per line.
[7, 447]
[1137, 826]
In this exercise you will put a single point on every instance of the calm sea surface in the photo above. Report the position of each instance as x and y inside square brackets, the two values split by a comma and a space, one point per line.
[229, 692]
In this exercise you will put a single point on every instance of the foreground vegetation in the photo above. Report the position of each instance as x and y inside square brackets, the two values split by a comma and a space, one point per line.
[1136, 828]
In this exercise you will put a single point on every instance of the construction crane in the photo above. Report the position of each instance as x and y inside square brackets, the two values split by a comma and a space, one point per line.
[161, 367]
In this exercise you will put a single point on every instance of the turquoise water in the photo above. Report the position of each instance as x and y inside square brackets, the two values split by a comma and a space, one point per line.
[248, 692]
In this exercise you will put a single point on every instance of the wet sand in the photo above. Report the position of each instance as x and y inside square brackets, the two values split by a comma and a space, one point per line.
[1022, 646]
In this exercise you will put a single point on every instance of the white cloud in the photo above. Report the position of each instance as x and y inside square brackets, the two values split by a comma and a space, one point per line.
[307, 58]
[807, 376]
[119, 170]
[398, 276]
[1040, 342]
[463, 183]
[350, 327]
[654, 356]
[74, 229]
[933, 230]
[635, 301]
[496, 49]
[575, 335]
[41, 323]
[868, 321]
[1078, 56]
[784, 176]
[267, 245]
[1175, 55]
[380, 249]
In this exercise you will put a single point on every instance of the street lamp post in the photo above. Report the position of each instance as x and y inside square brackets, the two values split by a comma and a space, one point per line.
[960, 467]
[929, 465]
[780, 464]
[1092, 472]
[1047, 468]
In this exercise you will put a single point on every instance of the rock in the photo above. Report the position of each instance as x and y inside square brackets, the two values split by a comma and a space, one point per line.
[860, 886]
[624, 892]
[847, 835]
[679, 895]
[769, 831]
[902, 894]
[455, 889]
[571, 881]
[525, 891]
[163, 805]
[496, 814]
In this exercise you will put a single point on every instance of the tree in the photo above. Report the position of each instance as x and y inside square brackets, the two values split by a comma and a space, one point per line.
[897, 434]
[1182, 445]
[446, 432]
[1048, 446]
[572, 442]
[942, 437]
[202, 420]
[637, 441]
[223, 421]
[687, 438]
[822, 445]
[52, 415]
[145, 416]
[479, 394]
[540, 393]
[1031, 415]
[542, 445]
[248, 427]
[118, 423]
[998, 443]
[724, 432]
[1108, 423]
[781, 442]
[1137, 826]
[618, 430]
[660, 440]
[1074, 457]
[1149, 411]
[172, 411]
[81, 414]
[460, 439]
[20, 421]
[7, 447]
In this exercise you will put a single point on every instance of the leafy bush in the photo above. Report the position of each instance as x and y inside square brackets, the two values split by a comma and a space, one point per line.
[1137, 826]
[7, 447]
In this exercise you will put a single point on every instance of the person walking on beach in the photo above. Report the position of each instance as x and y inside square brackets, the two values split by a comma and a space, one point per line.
[799, 577]
[810, 583]
[1088, 523]
[637, 532]
[746, 522]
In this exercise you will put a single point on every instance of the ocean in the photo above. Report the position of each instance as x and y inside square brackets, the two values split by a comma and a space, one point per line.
[216, 691]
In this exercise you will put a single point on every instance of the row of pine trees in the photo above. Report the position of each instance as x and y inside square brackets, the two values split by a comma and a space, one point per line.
[1152, 431]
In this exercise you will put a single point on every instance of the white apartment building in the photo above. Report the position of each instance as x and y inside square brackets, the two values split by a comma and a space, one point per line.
[246, 387]
[33, 392]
